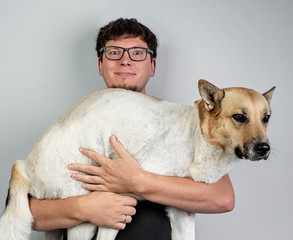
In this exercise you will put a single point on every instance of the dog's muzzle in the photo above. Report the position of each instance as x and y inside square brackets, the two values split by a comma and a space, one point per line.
[254, 152]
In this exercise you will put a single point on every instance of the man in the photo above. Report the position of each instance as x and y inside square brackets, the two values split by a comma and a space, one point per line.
[127, 59]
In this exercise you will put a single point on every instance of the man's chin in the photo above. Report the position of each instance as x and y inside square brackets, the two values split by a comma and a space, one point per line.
[132, 88]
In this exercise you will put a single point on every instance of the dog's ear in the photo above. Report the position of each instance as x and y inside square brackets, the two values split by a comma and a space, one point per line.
[210, 94]
[268, 95]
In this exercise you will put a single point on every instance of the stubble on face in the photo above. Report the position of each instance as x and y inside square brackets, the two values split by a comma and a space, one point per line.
[127, 87]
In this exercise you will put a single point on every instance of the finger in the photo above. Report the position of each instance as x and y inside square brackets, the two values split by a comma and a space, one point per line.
[129, 211]
[120, 226]
[85, 168]
[93, 155]
[95, 187]
[129, 201]
[125, 218]
[87, 178]
[118, 147]
[128, 219]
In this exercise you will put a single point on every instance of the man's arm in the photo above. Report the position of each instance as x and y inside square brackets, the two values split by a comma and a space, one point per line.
[186, 194]
[124, 175]
[99, 208]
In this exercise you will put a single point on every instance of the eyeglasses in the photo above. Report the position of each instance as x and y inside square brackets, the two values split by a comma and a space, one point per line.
[134, 53]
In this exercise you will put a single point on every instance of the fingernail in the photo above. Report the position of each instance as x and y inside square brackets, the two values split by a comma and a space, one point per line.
[114, 139]
[70, 166]
[81, 149]
[74, 175]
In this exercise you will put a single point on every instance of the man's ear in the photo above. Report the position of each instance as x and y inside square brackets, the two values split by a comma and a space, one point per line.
[154, 65]
[100, 64]
[268, 95]
[210, 94]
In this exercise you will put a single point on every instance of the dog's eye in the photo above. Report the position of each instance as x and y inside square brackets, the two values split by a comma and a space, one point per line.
[266, 118]
[239, 118]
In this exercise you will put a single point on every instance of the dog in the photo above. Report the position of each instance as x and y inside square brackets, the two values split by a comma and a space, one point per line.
[202, 142]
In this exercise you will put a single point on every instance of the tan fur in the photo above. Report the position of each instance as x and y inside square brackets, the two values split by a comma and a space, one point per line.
[18, 181]
[217, 123]
[17, 218]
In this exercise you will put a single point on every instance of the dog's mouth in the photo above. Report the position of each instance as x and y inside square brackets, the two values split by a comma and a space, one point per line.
[254, 152]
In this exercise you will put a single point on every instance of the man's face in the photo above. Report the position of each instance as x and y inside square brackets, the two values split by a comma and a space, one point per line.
[125, 73]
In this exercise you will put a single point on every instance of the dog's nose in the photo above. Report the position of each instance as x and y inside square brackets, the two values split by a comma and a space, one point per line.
[262, 148]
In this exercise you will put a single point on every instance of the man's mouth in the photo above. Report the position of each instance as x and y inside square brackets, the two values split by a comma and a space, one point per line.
[125, 74]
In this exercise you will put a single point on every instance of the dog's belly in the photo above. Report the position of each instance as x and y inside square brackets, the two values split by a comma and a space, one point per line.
[152, 134]
[51, 177]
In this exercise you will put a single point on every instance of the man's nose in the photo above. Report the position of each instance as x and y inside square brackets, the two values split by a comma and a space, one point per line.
[125, 60]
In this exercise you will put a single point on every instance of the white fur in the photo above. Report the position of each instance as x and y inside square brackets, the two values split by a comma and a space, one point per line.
[17, 218]
[165, 138]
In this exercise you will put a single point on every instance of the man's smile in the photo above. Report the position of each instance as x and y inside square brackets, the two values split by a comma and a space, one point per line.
[125, 74]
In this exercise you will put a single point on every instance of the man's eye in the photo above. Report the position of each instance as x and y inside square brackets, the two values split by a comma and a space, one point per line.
[114, 53]
[266, 118]
[137, 52]
[239, 118]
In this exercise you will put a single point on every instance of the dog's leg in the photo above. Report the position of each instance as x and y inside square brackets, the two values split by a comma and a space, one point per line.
[107, 234]
[182, 224]
[83, 231]
[17, 219]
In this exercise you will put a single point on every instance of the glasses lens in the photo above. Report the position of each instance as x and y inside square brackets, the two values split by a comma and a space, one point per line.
[113, 53]
[137, 53]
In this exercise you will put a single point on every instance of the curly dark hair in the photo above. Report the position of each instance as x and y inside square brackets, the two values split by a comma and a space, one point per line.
[130, 28]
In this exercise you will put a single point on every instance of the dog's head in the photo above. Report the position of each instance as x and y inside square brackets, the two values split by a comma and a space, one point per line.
[235, 118]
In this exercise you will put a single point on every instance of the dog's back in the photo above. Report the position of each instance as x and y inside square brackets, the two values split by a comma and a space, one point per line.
[140, 123]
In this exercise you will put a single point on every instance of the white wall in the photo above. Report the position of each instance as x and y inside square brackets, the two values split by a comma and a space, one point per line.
[48, 62]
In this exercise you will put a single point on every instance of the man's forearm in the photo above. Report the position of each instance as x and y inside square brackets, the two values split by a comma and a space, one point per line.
[103, 209]
[54, 214]
[186, 194]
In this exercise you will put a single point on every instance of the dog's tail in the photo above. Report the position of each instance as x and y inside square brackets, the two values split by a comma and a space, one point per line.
[17, 219]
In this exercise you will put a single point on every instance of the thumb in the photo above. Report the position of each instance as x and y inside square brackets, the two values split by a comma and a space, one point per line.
[118, 147]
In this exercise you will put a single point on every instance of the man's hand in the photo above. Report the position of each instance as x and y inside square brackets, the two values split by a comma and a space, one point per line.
[114, 175]
[106, 209]
[99, 208]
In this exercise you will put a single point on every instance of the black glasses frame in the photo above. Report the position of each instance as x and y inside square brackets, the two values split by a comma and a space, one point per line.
[126, 50]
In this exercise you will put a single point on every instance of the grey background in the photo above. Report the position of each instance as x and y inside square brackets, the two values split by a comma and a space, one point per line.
[48, 62]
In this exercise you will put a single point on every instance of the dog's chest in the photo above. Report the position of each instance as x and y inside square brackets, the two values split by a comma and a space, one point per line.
[210, 162]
